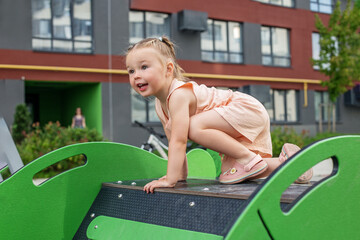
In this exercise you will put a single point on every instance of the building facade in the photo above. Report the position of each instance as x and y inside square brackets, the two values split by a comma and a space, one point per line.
[56, 55]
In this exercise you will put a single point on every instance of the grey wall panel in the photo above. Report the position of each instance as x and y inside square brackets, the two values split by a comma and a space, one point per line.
[349, 121]
[307, 114]
[117, 27]
[15, 24]
[2, 98]
[12, 93]
[252, 43]
[302, 4]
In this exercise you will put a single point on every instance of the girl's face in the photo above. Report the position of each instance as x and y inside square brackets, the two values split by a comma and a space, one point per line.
[147, 73]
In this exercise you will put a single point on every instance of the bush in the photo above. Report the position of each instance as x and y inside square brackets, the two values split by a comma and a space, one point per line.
[43, 140]
[22, 123]
[321, 136]
[281, 135]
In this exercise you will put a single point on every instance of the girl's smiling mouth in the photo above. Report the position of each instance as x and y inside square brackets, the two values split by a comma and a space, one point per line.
[142, 86]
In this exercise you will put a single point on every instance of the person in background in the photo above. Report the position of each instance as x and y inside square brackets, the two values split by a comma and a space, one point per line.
[78, 121]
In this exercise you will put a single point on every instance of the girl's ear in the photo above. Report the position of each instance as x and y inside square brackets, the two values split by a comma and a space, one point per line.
[169, 68]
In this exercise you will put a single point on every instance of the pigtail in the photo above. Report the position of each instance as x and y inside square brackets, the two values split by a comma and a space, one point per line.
[178, 71]
[167, 48]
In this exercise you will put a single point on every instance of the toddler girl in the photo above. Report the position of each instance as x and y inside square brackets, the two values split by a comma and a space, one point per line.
[232, 123]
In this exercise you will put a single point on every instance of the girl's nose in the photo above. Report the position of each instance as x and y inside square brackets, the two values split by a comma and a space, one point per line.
[136, 75]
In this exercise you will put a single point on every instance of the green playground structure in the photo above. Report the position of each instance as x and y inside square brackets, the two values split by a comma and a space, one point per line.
[57, 208]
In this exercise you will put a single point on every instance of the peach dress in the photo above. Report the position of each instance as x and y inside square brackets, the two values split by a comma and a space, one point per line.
[243, 112]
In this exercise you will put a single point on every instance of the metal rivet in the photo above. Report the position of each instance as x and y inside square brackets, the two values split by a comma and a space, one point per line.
[191, 204]
[133, 183]
[120, 195]
[206, 189]
[96, 226]
[119, 182]
[92, 215]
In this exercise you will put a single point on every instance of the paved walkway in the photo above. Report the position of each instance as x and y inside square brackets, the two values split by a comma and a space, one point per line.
[322, 170]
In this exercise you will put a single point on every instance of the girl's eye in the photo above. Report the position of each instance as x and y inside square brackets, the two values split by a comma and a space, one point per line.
[131, 71]
[144, 67]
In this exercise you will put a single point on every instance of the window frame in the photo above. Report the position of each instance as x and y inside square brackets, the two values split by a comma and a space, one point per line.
[314, 55]
[144, 25]
[72, 40]
[274, 4]
[228, 51]
[323, 112]
[271, 55]
[317, 57]
[317, 3]
[297, 103]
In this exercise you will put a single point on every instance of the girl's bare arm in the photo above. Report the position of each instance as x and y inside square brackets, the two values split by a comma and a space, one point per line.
[179, 110]
[179, 105]
[184, 171]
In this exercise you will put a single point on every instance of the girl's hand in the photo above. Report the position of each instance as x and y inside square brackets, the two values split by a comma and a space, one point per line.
[162, 182]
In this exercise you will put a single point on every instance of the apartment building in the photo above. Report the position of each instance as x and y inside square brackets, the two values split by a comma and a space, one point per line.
[56, 55]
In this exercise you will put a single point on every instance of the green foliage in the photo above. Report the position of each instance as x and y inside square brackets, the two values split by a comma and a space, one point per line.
[22, 123]
[320, 136]
[51, 137]
[283, 135]
[340, 49]
[5, 172]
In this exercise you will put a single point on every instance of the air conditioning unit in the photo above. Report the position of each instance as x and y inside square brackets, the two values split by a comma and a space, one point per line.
[193, 21]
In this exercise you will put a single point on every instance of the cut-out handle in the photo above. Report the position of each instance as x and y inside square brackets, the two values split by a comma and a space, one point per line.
[67, 162]
[49, 159]
[320, 207]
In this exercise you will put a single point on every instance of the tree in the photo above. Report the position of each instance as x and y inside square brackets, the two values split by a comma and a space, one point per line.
[340, 48]
[339, 57]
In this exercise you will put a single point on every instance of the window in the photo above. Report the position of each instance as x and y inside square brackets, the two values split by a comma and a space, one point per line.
[283, 106]
[275, 46]
[142, 110]
[284, 3]
[144, 25]
[62, 25]
[148, 24]
[222, 42]
[323, 6]
[316, 48]
[322, 105]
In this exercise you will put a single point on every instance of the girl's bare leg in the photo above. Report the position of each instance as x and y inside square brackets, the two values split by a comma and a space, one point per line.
[273, 163]
[212, 131]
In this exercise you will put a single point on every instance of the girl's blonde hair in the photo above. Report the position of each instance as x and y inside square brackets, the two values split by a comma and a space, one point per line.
[166, 48]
